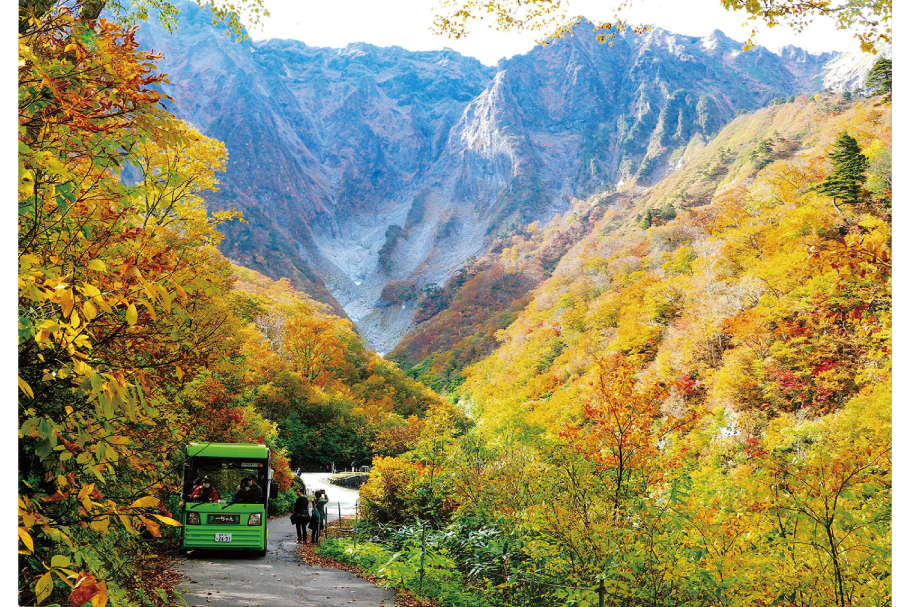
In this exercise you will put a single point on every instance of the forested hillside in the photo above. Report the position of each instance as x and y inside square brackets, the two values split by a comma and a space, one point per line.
[719, 293]
[636, 217]
[332, 399]
[694, 408]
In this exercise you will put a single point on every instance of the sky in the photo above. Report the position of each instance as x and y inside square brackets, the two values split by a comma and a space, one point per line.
[406, 23]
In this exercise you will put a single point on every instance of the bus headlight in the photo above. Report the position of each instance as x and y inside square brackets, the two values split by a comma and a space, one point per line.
[255, 519]
[192, 518]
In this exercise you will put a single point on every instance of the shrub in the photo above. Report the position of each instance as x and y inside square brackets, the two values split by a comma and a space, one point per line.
[390, 490]
[400, 491]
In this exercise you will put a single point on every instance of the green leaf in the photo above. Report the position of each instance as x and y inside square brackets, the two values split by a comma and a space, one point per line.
[59, 560]
[44, 587]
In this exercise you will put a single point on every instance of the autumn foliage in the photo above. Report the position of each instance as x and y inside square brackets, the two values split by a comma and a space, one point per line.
[112, 313]
[136, 336]
[696, 411]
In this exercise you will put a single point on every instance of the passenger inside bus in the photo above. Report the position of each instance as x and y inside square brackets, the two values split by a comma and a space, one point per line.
[205, 492]
[239, 496]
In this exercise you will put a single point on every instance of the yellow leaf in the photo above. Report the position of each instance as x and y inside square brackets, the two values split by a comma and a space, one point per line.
[148, 306]
[23, 385]
[100, 524]
[178, 372]
[60, 560]
[125, 521]
[145, 502]
[131, 315]
[89, 290]
[165, 298]
[26, 539]
[100, 599]
[66, 302]
[97, 265]
[86, 489]
[167, 520]
[65, 574]
[44, 587]
[89, 310]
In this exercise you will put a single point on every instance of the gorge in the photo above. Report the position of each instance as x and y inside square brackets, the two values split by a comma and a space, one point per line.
[369, 175]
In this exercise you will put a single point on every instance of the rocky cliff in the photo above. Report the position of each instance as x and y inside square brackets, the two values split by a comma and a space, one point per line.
[369, 174]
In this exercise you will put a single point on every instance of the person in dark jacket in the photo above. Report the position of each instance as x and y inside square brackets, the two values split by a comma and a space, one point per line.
[301, 506]
[239, 496]
[254, 494]
[318, 520]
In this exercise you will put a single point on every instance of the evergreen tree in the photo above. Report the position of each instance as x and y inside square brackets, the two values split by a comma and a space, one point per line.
[646, 220]
[879, 78]
[846, 179]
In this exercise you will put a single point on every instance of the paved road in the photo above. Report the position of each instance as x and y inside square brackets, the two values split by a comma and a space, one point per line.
[337, 495]
[281, 578]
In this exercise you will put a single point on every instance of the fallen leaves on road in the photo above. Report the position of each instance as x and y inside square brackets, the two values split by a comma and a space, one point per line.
[160, 573]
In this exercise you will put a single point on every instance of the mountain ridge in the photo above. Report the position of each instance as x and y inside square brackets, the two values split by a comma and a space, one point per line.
[369, 174]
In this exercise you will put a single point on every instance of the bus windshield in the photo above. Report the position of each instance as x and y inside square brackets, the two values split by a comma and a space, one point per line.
[226, 475]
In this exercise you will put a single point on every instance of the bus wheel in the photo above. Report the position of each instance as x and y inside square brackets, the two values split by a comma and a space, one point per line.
[260, 553]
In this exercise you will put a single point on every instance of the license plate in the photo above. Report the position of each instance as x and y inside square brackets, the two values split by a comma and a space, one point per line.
[222, 537]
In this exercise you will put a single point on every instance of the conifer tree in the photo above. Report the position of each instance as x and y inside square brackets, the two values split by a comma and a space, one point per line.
[646, 220]
[879, 78]
[846, 179]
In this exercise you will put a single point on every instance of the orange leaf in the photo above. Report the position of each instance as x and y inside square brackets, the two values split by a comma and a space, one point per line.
[153, 527]
[85, 590]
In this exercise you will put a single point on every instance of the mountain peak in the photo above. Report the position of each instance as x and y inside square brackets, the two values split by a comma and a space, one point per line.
[374, 172]
[717, 40]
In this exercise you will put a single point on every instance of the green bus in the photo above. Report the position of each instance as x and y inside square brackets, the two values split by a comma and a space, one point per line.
[217, 514]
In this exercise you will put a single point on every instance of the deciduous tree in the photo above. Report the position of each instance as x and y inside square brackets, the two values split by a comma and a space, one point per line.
[869, 20]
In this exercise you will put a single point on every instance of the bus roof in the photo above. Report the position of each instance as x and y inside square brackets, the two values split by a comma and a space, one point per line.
[227, 450]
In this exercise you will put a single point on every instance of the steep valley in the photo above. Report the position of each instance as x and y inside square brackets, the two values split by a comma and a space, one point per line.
[369, 176]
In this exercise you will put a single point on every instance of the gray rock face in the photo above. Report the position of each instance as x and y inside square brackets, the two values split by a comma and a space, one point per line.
[848, 71]
[368, 174]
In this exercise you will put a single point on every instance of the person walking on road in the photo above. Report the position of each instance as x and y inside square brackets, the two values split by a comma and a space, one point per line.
[301, 507]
